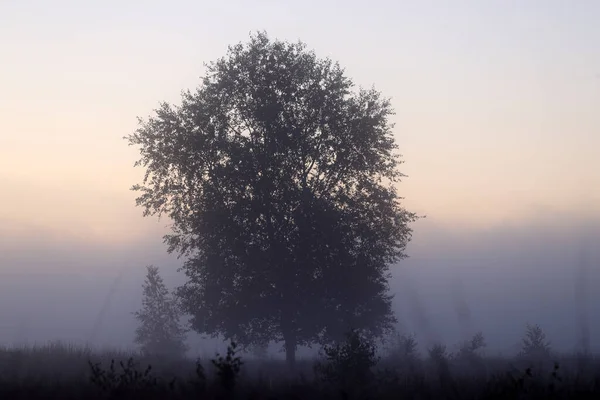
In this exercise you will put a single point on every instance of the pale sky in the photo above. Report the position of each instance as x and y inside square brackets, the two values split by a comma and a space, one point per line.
[497, 103]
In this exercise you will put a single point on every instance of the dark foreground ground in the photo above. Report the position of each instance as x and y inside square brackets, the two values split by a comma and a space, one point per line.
[63, 372]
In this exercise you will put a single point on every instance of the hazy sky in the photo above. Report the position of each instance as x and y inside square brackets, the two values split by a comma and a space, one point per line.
[497, 107]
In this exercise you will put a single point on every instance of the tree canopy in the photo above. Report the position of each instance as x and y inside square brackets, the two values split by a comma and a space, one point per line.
[280, 179]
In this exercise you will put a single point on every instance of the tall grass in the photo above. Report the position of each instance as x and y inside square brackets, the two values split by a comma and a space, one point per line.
[351, 369]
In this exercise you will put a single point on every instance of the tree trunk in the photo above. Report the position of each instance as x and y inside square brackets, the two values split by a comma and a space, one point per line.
[290, 349]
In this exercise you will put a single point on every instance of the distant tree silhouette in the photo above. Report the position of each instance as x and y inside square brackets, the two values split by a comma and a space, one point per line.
[280, 182]
[535, 344]
[260, 351]
[160, 331]
[469, 354]
[469, 348]
[403, 349]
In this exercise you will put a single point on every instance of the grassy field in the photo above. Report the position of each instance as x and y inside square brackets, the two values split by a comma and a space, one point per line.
[351, 370]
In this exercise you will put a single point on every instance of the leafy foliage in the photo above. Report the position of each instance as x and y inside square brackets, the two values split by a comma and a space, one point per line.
[469, 350]
[439, 360]
[469, 356]
[160, 331]
[280, 179]
[438, 353]
[350, 363]
[128, 381]
[404, 347]
[535, 344]
[228, 368]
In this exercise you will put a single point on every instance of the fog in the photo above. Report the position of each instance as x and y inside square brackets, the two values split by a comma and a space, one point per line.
[497, 109]
[456, 281]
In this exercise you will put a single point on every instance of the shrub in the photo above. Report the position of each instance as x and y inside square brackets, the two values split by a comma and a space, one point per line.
[127, 382]
[228, 368]
[349, 364]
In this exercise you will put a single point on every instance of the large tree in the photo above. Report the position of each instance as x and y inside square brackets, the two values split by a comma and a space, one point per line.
[280, 180]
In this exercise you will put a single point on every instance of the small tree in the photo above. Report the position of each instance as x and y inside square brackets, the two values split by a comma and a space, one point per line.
[534, 344]
[438, 354]
[468, 350]
[469, 356]
[439, 358]
[406, 346]
[160, 331]
[403, 350]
